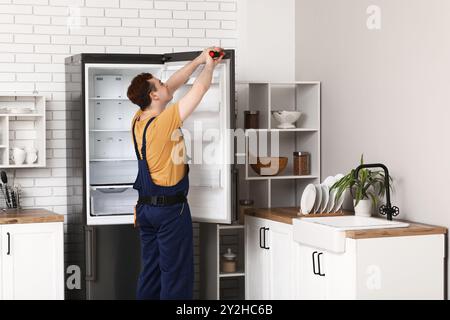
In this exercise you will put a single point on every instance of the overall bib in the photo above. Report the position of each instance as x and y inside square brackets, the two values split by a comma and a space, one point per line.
[167, 270]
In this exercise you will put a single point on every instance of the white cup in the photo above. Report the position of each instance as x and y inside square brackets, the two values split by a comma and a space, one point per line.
[18, 155]
[31, 155]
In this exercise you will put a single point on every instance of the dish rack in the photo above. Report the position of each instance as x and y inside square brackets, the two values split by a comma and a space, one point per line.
[326, 214]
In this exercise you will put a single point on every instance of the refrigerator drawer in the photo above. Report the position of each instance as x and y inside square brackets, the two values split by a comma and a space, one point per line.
[108, 86]
[106, 201]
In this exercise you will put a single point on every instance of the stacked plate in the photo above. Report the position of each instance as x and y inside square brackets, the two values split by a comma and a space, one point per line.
[319, 198]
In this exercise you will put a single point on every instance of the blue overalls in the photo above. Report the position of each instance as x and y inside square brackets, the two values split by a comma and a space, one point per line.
[167, 270]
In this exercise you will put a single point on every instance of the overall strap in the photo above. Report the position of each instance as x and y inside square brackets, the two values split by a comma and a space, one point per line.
[135, 142]
[144, 139]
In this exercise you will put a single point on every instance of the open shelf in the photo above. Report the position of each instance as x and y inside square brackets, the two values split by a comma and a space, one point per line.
[20, 128]
[269, 140]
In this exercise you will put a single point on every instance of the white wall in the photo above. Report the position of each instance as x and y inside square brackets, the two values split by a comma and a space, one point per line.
[36, 36]
[266, 40]
[385, 93]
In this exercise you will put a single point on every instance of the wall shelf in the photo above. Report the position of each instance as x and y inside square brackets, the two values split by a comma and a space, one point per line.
[21, 128]
[286, 188]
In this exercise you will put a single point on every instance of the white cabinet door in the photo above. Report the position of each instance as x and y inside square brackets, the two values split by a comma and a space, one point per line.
[279, 246]
[401, 268]
[32, 261]
[256, 266]
[312, 273]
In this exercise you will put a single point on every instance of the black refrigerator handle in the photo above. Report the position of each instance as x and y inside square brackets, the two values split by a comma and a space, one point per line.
[90, 254]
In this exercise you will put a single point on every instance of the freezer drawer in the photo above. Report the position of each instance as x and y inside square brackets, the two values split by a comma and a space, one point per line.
[106, 201]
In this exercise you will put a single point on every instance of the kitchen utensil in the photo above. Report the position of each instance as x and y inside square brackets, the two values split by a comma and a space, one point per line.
[269, 166]
[338, 202]
[251, 119]
[318, 200]
[286, 118]
[13, 199]
[19, 155]
[31, 156]
[302, 163]
[331, 201]
[308, 199]
[329, 181]
[325, 197]
[229, 261]
[4, 177]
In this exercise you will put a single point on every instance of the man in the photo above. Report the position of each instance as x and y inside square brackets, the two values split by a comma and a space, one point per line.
[162, 211]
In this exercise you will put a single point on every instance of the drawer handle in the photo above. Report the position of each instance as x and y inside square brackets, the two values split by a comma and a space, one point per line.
[314, 262]
[9, 243]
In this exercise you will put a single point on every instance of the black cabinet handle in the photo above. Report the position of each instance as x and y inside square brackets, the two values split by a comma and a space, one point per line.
[318, 262]
[260, 237]
[314, 263]
[9, 243]
[265, 238]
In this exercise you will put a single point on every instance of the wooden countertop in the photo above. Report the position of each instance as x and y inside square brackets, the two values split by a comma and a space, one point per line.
[13, 216]
[286, 214]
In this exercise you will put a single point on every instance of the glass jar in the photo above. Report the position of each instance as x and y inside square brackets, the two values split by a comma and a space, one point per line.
[229, 261]
[244, 205]
[251, 119]
[302, 163]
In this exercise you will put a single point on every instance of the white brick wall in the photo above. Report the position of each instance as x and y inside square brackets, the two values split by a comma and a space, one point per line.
[36, 36]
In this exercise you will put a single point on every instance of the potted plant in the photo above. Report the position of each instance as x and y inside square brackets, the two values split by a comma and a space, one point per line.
[365, 189]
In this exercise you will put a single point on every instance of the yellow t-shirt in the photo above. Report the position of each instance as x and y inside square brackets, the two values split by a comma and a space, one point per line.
[165, 146]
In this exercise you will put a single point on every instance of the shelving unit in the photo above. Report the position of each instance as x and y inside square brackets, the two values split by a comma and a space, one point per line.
[22, 129]
[285, 188]
[214, 241]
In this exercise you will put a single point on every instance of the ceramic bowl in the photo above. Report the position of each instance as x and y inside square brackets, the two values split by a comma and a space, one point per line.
[286, 118]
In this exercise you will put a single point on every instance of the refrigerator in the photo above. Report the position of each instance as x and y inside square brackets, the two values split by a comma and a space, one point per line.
[102, 165]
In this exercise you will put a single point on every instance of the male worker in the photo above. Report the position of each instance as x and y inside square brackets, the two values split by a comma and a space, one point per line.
[162, 211]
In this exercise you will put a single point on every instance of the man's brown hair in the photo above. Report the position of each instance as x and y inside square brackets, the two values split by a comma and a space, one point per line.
[139, 89]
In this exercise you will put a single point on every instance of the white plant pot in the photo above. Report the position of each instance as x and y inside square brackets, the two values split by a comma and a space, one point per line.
[364, 208]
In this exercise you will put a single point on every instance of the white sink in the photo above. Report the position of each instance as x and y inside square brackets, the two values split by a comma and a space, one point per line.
[328, 233]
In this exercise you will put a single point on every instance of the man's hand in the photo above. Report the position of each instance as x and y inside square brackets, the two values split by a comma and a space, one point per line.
[205, 58]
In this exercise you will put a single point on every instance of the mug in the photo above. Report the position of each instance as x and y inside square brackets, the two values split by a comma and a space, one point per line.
[18, 155]
[31, 155]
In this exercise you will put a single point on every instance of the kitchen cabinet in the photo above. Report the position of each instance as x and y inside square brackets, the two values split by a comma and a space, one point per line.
[32, 261]
[269, 260]
[22, 125]
[397, 263]
[408, 267]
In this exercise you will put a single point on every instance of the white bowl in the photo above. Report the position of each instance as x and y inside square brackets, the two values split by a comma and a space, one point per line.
[286, 118]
